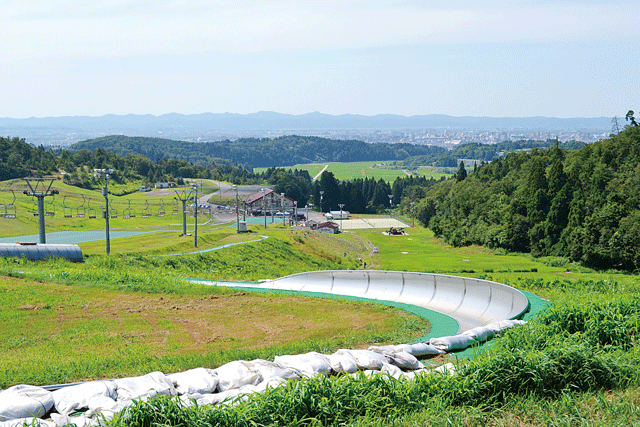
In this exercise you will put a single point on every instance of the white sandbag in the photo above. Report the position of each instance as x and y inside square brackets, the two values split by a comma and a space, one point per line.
[404, 360]
[365, 359]
[385, 348]
[270, 370]
[31, 422]
[68, 400]
[308, 364]
[144, 387]
[236, 374]
[218, 398]
[24, 401]
[104, 404]
[421, 349]
[342, 363]
[78, 421]
[447, 368]
[452, 342]
[480, 333]
[270, 383]
[198, 380]
[501, 325]
[392, 370]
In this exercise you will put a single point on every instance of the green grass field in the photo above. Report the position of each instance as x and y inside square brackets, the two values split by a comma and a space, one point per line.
[386, 170]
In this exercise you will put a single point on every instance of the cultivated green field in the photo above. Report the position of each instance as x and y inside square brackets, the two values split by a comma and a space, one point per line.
[387, 171]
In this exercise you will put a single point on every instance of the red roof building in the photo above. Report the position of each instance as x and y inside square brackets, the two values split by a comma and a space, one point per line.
[272, 201]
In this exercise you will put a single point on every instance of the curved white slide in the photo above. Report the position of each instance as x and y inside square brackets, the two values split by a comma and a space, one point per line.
[471, 302]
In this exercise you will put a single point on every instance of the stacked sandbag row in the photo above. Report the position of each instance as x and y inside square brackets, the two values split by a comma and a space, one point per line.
[98, 400]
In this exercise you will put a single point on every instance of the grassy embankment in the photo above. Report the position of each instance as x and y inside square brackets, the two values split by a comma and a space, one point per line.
[575, 364]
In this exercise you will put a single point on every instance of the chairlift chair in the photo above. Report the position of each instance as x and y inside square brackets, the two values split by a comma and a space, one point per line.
[113, 212]
[80, 211]
[51, 208]
[68, 212]
[128, 212]
[175, 210]
[92, 211]
[146, 212]
[161, 211]
[10, 209]
[4, 209]
[35, 206]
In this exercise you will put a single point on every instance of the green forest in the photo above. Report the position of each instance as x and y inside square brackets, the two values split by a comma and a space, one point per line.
[583, 205]
[253, 153]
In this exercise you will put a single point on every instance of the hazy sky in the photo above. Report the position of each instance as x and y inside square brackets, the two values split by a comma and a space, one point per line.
[478, 58]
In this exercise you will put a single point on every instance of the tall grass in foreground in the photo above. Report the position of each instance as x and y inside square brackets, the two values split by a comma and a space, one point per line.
[569, 351]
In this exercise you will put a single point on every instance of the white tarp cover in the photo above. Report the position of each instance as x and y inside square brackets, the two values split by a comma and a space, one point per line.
[198, 380]
[24, 401]
[75, 398]
[144, 387]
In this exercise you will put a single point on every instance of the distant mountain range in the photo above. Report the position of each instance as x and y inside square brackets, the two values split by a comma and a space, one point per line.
[267, 120]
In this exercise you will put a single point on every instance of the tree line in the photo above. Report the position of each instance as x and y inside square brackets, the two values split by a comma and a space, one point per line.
[583, 205]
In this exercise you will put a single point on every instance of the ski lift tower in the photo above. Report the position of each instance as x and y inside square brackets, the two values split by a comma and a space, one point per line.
[40, 190]
[105, 173]
[184, 198]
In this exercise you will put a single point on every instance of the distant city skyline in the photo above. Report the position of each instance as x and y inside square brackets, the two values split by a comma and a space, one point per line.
[517, 58]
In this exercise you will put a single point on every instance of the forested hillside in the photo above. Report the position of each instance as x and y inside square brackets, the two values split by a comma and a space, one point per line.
[583, 205]
[251, 152]
[19, 159]
[483, 152]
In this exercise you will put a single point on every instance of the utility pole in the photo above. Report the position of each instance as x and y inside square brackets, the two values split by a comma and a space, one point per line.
[283, 210]
[195, 215]
[264, 212]
[40, 193]
[235, 187]
[105, 193]
[321, 193]
[341, 206]
[413, 223]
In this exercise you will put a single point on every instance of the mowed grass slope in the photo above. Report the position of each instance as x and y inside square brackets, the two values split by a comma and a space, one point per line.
[55, 333]
[386, 170]
[159, 204]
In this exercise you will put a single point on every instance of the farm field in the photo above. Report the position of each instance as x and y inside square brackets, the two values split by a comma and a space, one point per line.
[386, 170]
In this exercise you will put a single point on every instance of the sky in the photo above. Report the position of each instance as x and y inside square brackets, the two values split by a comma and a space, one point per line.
[510, 58]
